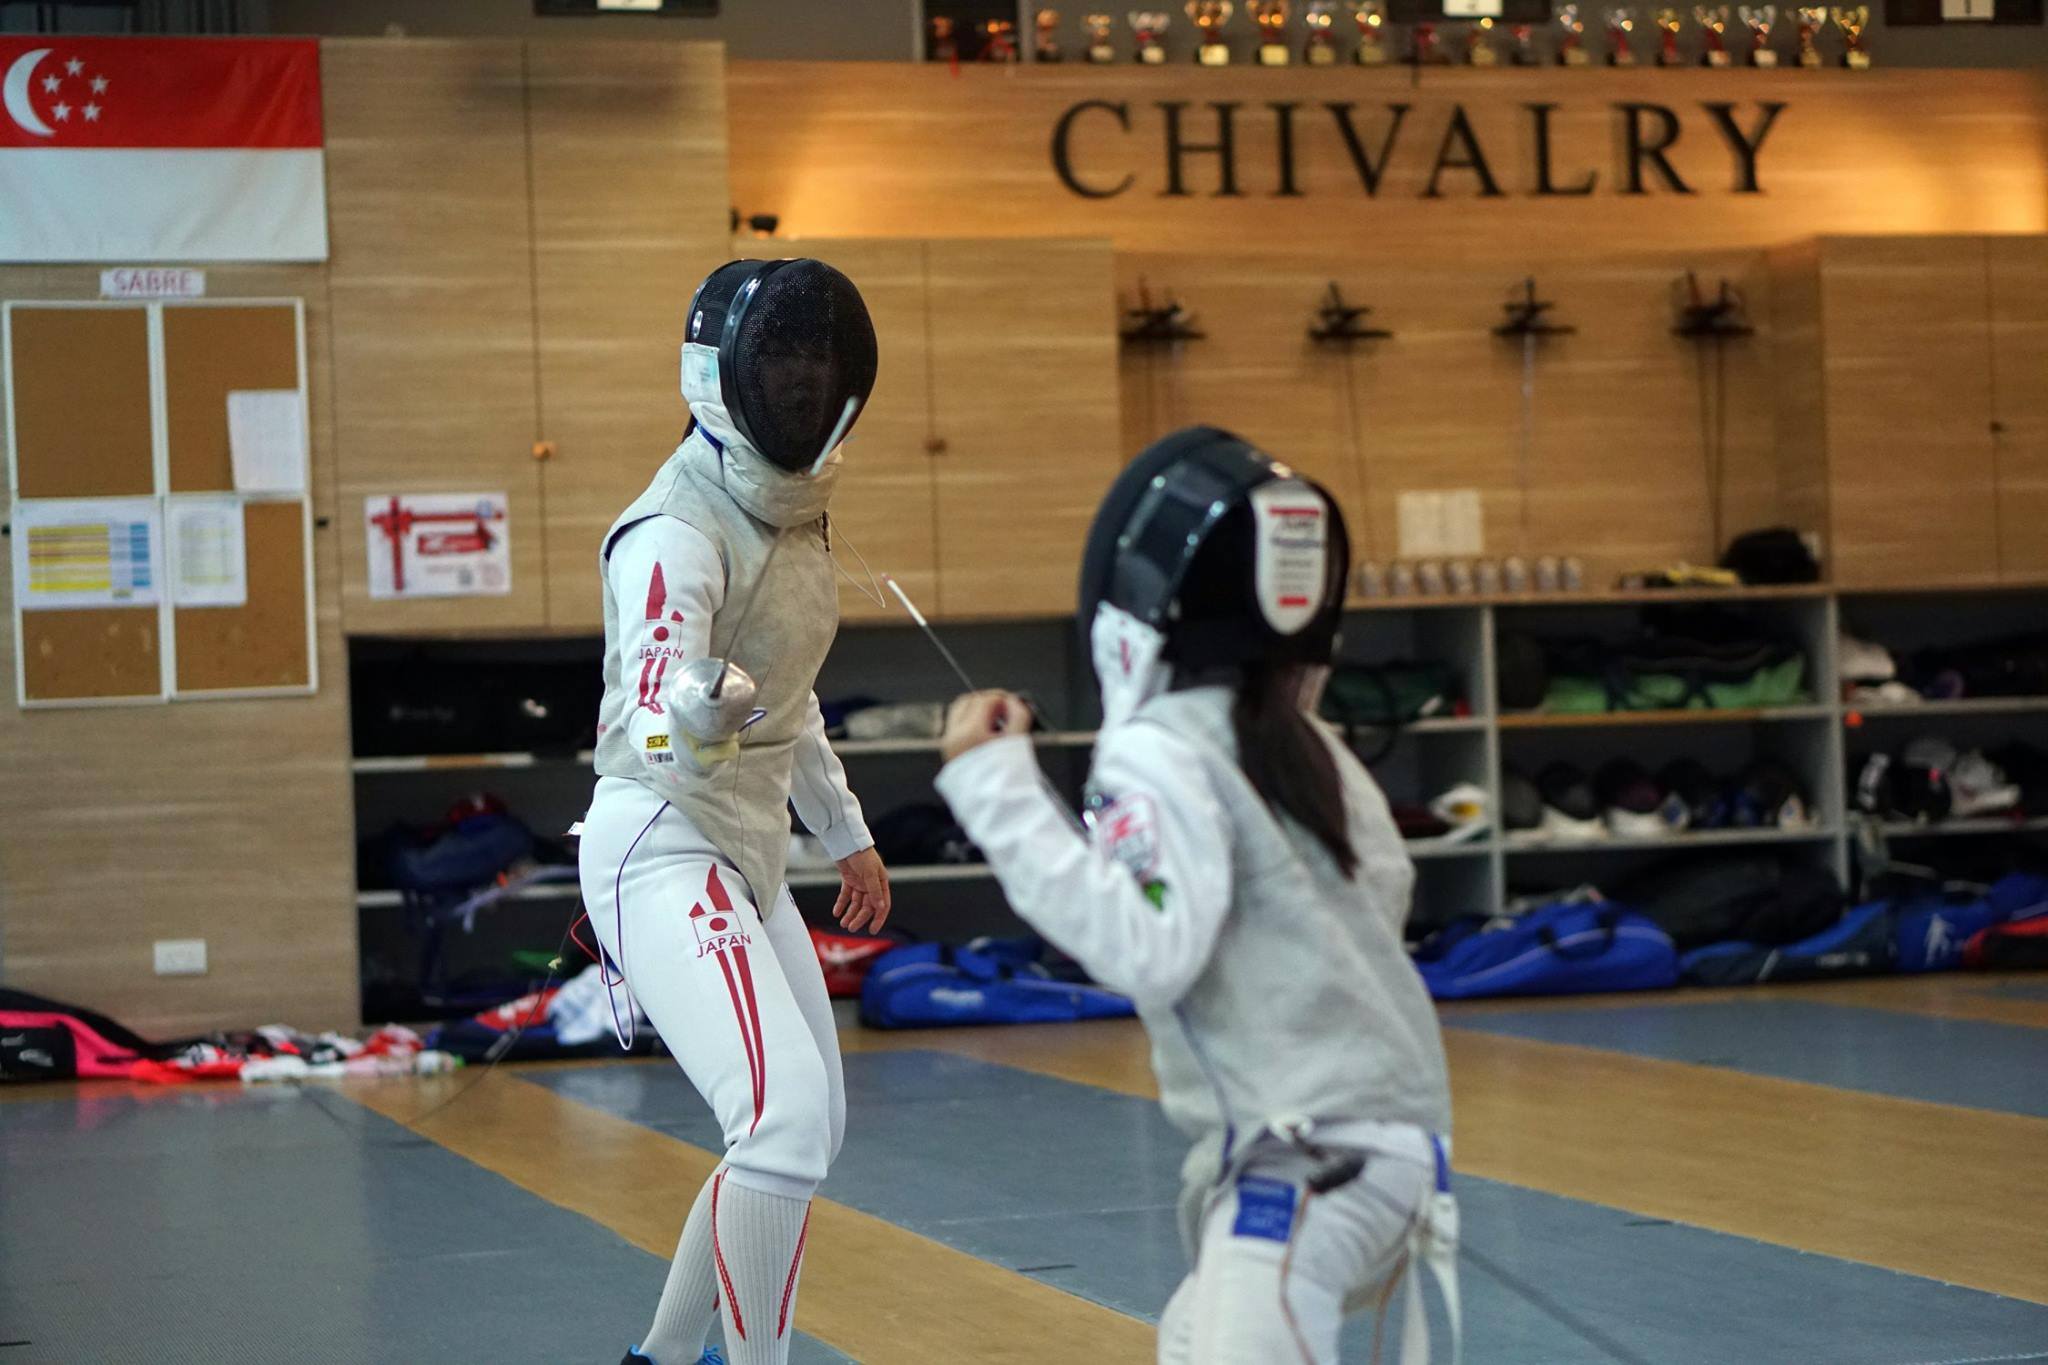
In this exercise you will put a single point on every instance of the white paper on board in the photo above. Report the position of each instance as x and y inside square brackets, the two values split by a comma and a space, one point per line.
[267, 440]
[1464, 530]
[208, 552]
[72, 553]
[1419, 519]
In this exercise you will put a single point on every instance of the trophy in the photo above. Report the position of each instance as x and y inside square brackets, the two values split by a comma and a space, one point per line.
[1098, 27]
[1210, 16]
[1571, 37]
[1759, 22]
[1047, 47]
[1812, 19]
[1479, 48]
[942, 46]
[1321, 20]
[1713, 23]
[1271, 17]
[1148, 26]
[1620, 23]
[1423, 49]
[1523, 53]
[999, 41]
[1852, 21]
[1371, 18]
[1668, 24]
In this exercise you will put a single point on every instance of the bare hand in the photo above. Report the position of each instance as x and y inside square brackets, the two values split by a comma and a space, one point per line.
[863, 892]
[975, 718]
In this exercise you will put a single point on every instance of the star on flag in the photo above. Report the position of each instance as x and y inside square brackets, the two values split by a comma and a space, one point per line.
[99, 85]
[74, 67]
[63, 113]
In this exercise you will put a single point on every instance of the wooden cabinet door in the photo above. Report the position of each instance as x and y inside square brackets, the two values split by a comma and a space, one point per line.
[629, 214]
[882, 510]
[2019, 352]
[431, 282]
[1907, 341]
[1024, 400]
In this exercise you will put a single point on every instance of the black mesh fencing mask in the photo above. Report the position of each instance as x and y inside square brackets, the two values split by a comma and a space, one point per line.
[795, 343]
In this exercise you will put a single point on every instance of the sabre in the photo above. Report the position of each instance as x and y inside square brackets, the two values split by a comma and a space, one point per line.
[929, 633]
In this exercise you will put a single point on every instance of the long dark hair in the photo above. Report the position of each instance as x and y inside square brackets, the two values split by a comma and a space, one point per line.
[1288, 763]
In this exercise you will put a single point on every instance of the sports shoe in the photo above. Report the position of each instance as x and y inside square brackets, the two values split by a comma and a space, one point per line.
[1862, 661]
[633, 1357]
[1978, 786]
[1462, 809]
[1704, 795]
[1633, 805]
[1571, 813]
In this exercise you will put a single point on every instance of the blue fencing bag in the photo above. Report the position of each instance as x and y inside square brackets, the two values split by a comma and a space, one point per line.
[989, 981]
[1563, 949]
[1860, 944]
[1929, 934]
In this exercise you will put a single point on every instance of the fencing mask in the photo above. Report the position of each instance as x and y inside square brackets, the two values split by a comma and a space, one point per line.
[1206, 553]
[773, 350]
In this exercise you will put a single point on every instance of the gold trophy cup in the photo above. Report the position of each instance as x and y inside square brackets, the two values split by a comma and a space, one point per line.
[1097, 27]
[1271, 17]
[1713, 25]
[1479, 48]
[1852, 23]
[1620, 24]
[1571, 37]
[1148, 28]
[1668, 24]
[1371, 18]
[1210, 16]
[1812, 19]
[1321, 19]
[1759, 22]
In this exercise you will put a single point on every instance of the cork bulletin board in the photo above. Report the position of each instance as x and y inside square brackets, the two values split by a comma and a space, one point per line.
[147, 566]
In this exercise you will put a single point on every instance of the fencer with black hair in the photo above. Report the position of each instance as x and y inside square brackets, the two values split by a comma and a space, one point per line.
[1241, 878]
[720, 604]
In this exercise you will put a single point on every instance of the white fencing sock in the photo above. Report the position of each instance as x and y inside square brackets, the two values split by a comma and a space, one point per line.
[689, 1301]
[757, 1247]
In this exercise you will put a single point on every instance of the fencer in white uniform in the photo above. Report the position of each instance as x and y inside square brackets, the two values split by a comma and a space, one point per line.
[1241, 878]
[720, 606]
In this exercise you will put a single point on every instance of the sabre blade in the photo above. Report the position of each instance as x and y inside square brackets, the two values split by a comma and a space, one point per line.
[929, 633]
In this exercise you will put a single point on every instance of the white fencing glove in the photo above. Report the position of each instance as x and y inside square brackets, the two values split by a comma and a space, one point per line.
[709, 702]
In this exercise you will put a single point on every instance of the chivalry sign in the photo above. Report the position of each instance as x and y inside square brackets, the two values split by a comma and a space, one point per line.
[1104, 148]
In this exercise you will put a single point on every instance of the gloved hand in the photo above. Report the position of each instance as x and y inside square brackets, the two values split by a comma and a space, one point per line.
[705, 727]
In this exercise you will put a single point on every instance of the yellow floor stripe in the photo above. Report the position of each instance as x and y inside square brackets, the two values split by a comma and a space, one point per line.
[870, 1289]
[1952, 1194]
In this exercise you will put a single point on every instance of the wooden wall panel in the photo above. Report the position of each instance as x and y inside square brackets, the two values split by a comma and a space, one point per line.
[970, 153]
[629, 213]
[2019, 352]
[1908, 374]
[1024, 395]
[885, 504]
[230, 820]
[1799, 391]
[433, 308]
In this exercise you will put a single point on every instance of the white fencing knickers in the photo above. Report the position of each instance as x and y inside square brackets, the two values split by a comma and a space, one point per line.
[1278, 1267]
[741, 1004]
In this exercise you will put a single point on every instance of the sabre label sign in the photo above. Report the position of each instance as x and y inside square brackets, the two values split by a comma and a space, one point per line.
[1233, 149]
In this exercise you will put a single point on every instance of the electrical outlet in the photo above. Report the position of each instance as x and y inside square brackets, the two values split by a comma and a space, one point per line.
[181, 957]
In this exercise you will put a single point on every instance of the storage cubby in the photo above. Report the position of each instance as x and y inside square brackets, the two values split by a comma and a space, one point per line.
[531, 688]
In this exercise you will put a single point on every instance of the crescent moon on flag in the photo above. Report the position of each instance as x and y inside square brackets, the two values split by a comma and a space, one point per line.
[15, 93]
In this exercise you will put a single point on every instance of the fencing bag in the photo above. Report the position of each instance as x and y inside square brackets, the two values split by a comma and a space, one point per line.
[1567, 948]
[988, 981]
[1859, 944]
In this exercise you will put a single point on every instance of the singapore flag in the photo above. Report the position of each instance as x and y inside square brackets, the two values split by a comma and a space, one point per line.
[160, 149]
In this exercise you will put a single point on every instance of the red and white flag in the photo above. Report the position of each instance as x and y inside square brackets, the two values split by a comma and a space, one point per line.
[161, 149]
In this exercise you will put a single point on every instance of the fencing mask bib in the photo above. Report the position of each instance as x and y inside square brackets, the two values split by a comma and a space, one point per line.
[1207, 553]
[775, 351]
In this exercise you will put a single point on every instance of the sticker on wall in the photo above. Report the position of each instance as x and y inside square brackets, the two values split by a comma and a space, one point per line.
[439, 545]
[72, 553]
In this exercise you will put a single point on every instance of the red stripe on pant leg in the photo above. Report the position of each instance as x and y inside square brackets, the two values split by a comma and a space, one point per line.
[789, 1287]
[732, 1302]
[746, 1037]
[760, 1049]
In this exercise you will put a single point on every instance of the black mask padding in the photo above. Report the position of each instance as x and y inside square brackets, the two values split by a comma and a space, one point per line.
[794, 343]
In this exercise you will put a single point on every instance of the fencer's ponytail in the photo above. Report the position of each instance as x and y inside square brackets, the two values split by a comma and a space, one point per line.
[1287, 762]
